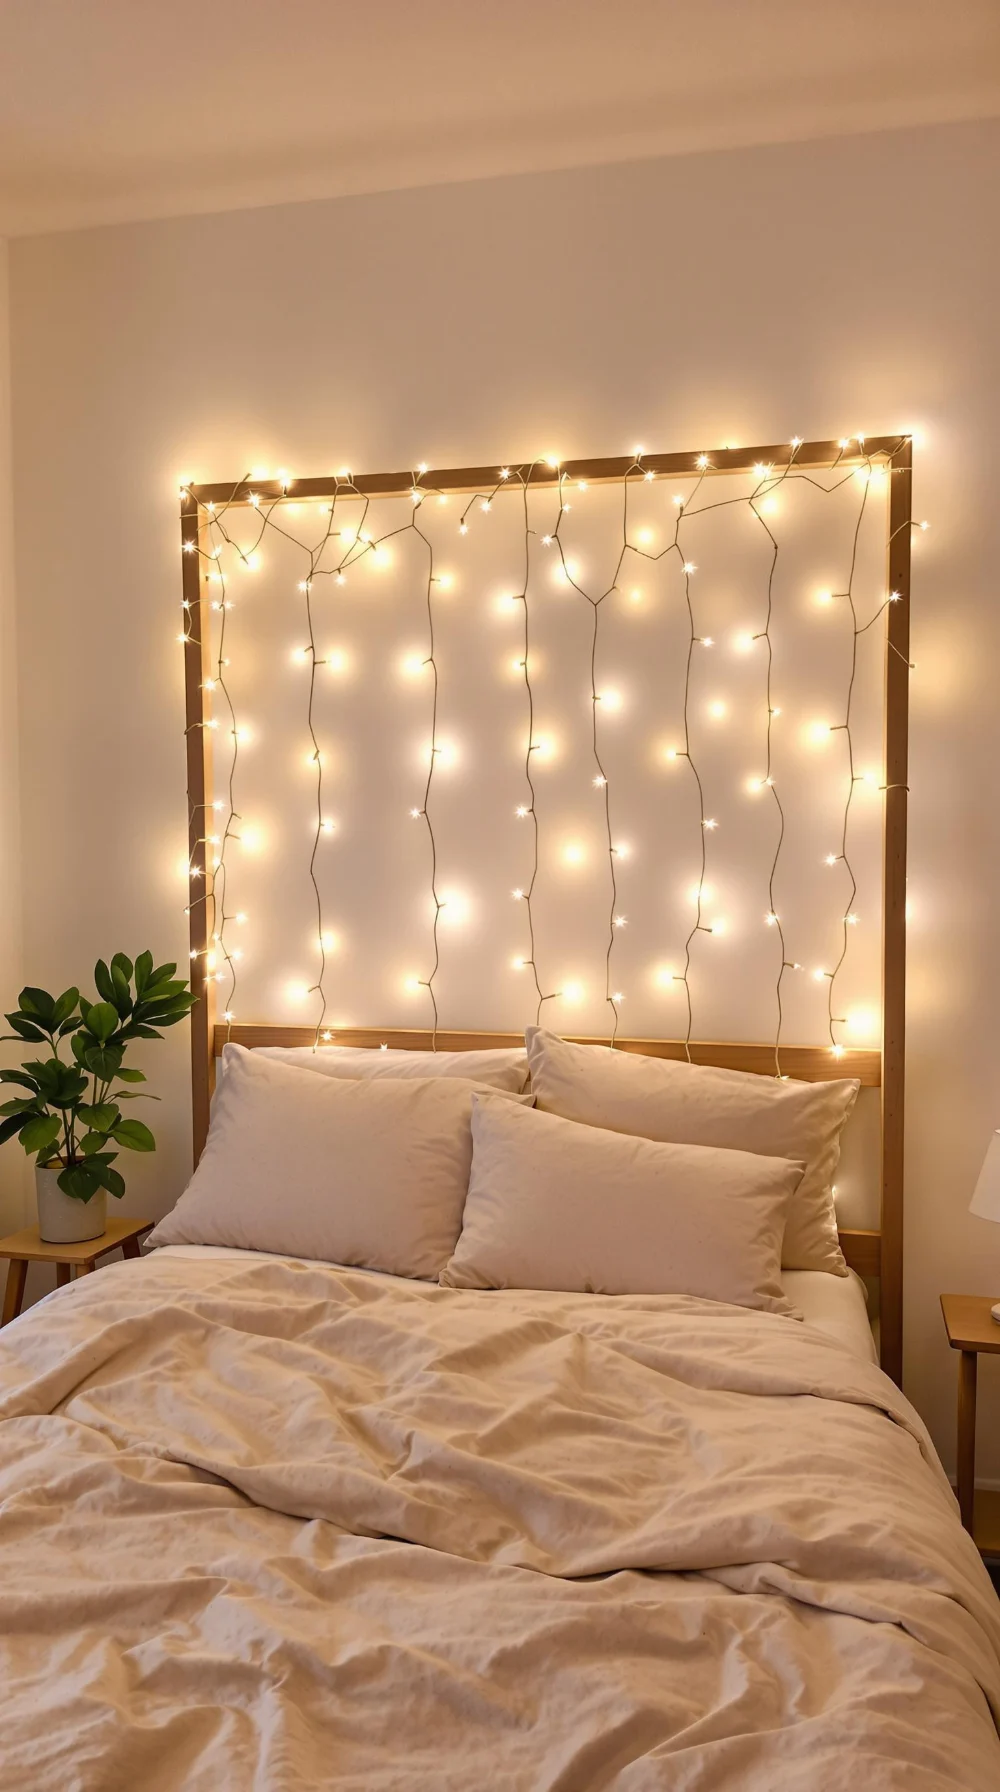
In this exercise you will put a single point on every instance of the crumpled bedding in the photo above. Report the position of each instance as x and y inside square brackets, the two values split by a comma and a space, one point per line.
[273, 1525]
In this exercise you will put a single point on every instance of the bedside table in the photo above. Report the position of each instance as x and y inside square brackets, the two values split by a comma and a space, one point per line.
[22, 1248]
[972, 1329]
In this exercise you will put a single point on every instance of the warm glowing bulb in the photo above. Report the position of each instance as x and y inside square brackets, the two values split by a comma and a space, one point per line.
[610, 700]
[824, 597]
[621, 852]
[831, 858]
[717, 709]
[862, 1020]
[413, 665]
[518, 964]
[518, 895]
[818, 976]
[771, 918]
[572, 992]
[820, 732]
[241, 917]
[743, 642]
[645, 536]
[573, 854]
[718, 926]
[412, 985]
[599, 782]
[670, 753]
[708, 823]
[521, 811]
[327, 826]
[755, 785]
[621, 920]
[300, 656]
[485, 505]
[664, 976]
[690, 567]
[702, 461]
[298, 991]
[463, 528]
[228, 1015]
[851, 920]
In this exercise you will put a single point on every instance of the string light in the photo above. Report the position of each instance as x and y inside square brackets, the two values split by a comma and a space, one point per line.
[355, 544]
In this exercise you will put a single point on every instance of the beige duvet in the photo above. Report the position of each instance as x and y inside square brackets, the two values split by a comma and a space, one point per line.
[266, 1525]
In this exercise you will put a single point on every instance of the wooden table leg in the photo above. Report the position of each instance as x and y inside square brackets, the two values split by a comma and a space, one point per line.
[966, 1467]
[86, 1269]
[130, 1247]
[14, 1291]
[63, 1273]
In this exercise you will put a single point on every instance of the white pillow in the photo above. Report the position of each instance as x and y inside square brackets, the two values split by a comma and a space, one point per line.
[695, 1104]
[555, 1205]
[373, 1173]
[503, 1069]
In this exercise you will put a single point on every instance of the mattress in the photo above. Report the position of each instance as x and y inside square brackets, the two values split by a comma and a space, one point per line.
[835, 1305]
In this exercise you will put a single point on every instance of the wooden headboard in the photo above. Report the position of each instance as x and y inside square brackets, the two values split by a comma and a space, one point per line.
[876, 1254]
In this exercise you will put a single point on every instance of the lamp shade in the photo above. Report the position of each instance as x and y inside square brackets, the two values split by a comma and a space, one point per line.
[986, 1200]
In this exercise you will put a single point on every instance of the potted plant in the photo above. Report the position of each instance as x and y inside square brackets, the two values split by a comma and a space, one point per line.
[69, 1116]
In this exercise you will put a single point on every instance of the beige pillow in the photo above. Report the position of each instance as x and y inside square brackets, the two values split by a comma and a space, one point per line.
[506, 1068]
[373, 1173]
[555, 1205]
[694, 1104]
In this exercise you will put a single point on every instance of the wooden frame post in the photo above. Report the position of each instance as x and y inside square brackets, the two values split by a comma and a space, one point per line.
[200, 902]
[895, 761]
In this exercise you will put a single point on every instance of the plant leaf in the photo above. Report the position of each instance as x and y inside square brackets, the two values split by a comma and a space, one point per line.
[21, 1107]
[41, 1132]
[132, 1076]
[23, 1029]
[102, 977]
[113, 1181]
[134, 1135]
[102, 1020]
[102, 1117]
[9, 1127]
[38, 1004]
[143, 971]
[122, 963]
[19, 1076]
[80, 1181]
[66, 1005]
[104, 1063]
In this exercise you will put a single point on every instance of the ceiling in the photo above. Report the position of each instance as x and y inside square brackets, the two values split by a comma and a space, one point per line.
[122, 109]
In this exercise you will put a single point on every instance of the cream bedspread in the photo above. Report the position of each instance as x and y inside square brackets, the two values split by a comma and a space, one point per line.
[268, 1526]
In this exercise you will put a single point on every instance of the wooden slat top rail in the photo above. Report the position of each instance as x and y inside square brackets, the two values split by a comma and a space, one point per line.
[808, 455]
[806, 1063]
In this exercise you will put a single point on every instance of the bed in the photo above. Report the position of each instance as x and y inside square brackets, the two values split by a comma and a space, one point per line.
[269, 1523]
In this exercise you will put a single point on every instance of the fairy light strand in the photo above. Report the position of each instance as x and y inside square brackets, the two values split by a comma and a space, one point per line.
[356, 544]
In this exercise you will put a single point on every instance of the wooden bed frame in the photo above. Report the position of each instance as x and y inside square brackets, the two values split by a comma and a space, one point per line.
[875, 1255]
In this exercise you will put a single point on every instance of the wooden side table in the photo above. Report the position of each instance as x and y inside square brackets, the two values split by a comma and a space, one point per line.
[22, 1248]
[971, 1329]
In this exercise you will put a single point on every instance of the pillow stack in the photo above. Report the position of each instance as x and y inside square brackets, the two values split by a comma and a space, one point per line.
[635, 1176]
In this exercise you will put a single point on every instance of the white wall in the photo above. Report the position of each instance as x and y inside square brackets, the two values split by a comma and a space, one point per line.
[815, 289]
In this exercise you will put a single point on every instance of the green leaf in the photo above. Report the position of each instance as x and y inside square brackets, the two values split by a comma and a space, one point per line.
[38, 1004]
[143, 971]
[102, 1020]
[121, 962]
[80, 1181]
[162, 973]
[132, 1076]
[123, 992]
[21, 1107]
[66, 1006]
[103, 979]
[20, 1077]
[9, 1127]
[91, 1142]
[41, 1132]
[105, 1063]
[133, 1135]
[23, 1029]
[134, 1095]
[113, 1181]
[69, 1026]
[102, 1117]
